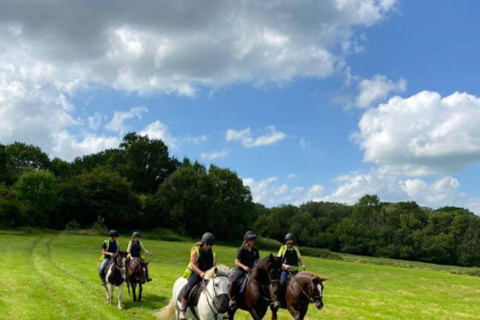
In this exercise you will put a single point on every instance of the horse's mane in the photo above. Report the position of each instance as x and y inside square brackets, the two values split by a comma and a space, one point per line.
[313, 275]
[221, 270]
[263, 263]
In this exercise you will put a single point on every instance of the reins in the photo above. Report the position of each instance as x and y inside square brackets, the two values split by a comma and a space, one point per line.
[311, 299]
[209, 297]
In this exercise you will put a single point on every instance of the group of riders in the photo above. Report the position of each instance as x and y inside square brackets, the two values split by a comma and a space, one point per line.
[203, 258]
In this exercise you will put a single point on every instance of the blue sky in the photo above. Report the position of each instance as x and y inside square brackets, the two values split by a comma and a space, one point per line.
[318, 100]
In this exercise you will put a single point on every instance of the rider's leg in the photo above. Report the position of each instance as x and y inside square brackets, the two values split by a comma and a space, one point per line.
[101, 270]
[192, 281]
[145, 265]
[233, 285]
[283, 275]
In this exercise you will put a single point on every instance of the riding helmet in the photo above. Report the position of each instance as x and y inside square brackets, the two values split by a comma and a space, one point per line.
[208, 238]
[290, 236]
[114, 233]
[250, 235]
[136, 234]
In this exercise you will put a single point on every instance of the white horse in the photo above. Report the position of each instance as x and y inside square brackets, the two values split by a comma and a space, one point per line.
[115, 277]
[213, 301]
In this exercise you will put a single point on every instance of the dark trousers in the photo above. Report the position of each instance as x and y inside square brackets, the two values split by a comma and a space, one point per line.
[237, 274]
[286, 274]
[192, 282]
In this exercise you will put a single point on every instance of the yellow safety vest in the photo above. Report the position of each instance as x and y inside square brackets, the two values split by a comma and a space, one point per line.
[141, 251]
[284, 250]
[107, 244]
[188, 272]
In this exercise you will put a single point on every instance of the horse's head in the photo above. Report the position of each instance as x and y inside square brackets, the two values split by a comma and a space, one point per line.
[274, 270]
[315, 291]
[118, 258]
[219, 286]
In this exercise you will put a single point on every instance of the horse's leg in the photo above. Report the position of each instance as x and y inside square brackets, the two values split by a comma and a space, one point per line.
[231, 313]
[302, 313]
[294, 312]
[120, 293]
[255, 315]
[140, 289]
[134, 289]
[110, 293]
[274, 313]
[106, 291]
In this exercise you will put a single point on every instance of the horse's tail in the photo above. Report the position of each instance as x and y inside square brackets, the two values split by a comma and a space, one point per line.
[167, 312]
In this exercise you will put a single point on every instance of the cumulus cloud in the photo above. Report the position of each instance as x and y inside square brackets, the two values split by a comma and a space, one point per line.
[246, 137]
[350, 188]
[271, 191]
[51, 49]
[423, 134]
[376, 89]
[214, 155]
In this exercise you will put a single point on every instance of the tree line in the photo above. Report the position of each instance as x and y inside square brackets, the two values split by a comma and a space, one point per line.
[139, 185]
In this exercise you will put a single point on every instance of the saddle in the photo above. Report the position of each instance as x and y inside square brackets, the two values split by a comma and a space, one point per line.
[286, 282]
[194, 295]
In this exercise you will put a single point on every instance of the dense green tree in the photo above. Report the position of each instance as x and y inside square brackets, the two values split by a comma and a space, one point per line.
[39, 189]
[23, 157]
[12, 210]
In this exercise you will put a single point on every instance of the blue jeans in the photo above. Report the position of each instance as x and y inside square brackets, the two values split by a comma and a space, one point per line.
[103, 266]
[286, 274]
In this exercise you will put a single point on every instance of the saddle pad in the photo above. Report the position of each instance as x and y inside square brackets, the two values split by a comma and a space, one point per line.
[242, 284]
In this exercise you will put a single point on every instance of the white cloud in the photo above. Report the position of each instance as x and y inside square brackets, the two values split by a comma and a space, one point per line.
[158, 47]
[246, 137]
[315, 193]
[423, 134]
[376, 89]
[214, 155]
[117, 124]
[292, 176]
[95, 121]
[158, 130]
[271, 191]
[441, 192]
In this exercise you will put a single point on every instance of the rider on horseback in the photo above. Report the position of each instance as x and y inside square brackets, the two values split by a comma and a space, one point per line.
[247, 257]
[135, 249]
[202, 258]
[109, 248]
[291, 258]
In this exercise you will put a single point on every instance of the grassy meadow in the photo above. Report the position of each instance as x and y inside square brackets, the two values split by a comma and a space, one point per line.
[54, 276]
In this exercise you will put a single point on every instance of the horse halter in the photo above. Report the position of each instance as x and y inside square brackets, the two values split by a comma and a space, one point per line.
[311, 283]
[214, 301]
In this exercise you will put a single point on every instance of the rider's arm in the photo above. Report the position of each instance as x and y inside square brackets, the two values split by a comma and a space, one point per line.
[105, 252]
[241, 266]
[146, 251]
[129, 247]
[193, 262]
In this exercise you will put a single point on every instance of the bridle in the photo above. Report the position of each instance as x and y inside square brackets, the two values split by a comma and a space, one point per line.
[311, 283]
[265, 288]
[213, 305]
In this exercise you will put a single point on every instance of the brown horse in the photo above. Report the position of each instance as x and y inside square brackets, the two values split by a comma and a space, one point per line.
[261, 290]
[304, 288]
[136, 276]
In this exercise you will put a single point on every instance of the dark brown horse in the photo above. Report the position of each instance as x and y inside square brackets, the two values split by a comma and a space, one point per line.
[136, 276]
[304, 288]
[261, 290]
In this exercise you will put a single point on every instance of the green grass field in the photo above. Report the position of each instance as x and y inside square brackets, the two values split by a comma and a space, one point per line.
[54, 276]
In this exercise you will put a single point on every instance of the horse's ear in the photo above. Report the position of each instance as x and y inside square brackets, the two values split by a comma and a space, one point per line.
[323, 279]
[271, 256]
[215, 270]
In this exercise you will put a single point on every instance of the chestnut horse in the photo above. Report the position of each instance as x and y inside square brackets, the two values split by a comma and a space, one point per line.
[136, 276]
[261, 290]
[304, 288]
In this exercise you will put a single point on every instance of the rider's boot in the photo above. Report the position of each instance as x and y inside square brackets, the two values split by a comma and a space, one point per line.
[102, 277]
[183, 308]
[146, 274]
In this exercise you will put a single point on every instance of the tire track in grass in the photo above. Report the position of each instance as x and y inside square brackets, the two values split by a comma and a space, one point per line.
[33, 257]
[88, 285]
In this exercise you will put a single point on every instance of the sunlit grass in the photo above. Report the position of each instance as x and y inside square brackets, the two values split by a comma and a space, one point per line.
[54, 276]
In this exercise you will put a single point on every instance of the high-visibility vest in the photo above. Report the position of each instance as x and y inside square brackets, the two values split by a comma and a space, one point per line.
[284, 250]
[107, 244]
[188, 272]
[141, 246]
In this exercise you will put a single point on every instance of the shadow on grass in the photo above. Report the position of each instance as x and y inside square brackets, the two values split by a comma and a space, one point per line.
[149, 301]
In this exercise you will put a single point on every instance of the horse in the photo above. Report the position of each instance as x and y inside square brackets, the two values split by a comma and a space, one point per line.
[136, 276]
[115, 277]
[262, 289]
[304, 288]
[212, 300]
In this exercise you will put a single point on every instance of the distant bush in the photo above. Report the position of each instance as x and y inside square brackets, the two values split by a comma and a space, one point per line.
[99, 225]
[164, 235]
[73, 226]
[320, 253]
[268, 244]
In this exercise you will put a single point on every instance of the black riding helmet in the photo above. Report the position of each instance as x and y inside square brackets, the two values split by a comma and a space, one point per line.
[135, 234]
[290, 236]
[114, 233]
[208, 238]
[250, 235]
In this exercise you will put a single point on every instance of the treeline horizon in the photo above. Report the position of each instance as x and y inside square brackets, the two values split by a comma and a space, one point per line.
[139, 185]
